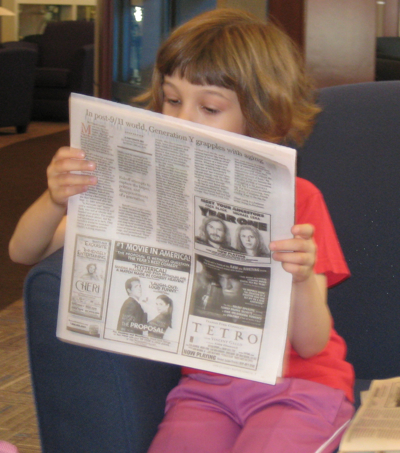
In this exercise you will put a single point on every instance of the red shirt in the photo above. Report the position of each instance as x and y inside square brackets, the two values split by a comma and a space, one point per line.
[329, 367]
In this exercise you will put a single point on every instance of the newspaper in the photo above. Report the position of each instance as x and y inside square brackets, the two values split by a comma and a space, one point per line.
[376, 425]
[152, 265]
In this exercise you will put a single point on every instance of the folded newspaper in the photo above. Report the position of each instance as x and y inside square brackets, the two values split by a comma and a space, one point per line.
[376, 426]
[167, 257]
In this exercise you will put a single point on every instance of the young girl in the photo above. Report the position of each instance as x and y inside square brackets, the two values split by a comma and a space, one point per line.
[230, 70]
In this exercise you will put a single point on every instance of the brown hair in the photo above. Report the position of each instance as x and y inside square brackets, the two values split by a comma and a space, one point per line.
[233, 49]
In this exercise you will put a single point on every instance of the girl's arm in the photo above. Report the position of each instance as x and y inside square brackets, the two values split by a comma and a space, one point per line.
[310, 316]
[41, 229]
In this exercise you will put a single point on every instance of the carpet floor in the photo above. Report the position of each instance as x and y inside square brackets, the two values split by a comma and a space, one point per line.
[22, 179]
[18, 423]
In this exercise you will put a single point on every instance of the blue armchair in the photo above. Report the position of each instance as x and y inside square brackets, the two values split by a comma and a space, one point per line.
[89, 400]
[353, 157]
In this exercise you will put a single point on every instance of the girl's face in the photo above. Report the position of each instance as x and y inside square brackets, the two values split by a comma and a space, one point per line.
[203, 104]
[161, 306]
[248, 239]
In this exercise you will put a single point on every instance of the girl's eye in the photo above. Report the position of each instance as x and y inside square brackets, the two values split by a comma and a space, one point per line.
[210, 110]
[171, 101]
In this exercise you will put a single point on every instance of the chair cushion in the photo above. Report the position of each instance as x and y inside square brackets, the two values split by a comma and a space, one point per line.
[52, 77]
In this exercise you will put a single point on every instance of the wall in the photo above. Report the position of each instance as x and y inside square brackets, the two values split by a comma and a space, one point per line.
[340, 41]
[390, 22]
[337, 37]
[10, 27]
[8, 24]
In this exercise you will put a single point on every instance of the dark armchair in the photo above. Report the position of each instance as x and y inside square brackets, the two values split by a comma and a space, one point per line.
[17, 72]
[65, 65]
[387, 58]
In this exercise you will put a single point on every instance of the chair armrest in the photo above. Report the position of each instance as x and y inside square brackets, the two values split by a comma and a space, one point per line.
[88, 400]
[20, 45]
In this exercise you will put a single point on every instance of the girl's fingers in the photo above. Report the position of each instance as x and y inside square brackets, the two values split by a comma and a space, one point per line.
[305, 231]
[293, 245]
[71, 179]
[299, 273]
[67, 152]
[62, 194]
[68, 165]
[302, 259]
[298, 254]
[302, 241]
[66, 185]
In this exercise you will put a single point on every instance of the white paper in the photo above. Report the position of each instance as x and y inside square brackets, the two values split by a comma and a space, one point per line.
[376, 425]
[159, 179]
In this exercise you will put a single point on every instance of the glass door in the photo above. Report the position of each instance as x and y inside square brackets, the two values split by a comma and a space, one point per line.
[139, 28]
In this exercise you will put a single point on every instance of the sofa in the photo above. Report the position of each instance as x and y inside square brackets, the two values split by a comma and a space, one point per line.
[17, 75]
[93, 401]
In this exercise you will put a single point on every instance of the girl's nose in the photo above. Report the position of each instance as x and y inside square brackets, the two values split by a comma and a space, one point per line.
[187, 113]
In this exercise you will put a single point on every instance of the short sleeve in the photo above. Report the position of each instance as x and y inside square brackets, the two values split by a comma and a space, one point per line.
[311, 208]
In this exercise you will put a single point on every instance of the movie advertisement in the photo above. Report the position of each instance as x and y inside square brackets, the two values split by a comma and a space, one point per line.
[148, 286]
[228, 307]
[89, 276]
[232, 232]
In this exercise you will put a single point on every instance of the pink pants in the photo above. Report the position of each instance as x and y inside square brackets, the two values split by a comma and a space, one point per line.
[5, 447]
[221, 414]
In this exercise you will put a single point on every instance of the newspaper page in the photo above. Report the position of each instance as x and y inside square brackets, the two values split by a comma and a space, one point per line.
[167, 256]
[376, 425]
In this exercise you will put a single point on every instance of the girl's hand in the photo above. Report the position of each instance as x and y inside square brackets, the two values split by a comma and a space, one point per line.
[298, 254]
[62, 182]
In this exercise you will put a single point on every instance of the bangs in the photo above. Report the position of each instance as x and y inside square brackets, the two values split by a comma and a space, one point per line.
[235, 50]
[204, 62]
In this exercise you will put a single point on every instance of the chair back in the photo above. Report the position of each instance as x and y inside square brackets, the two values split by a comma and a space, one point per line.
[61, 40]
[353, 156]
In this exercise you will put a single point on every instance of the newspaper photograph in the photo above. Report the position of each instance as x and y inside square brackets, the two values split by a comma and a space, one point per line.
[232, 232]
[236, 297]
[167, 257]
[152, 284]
